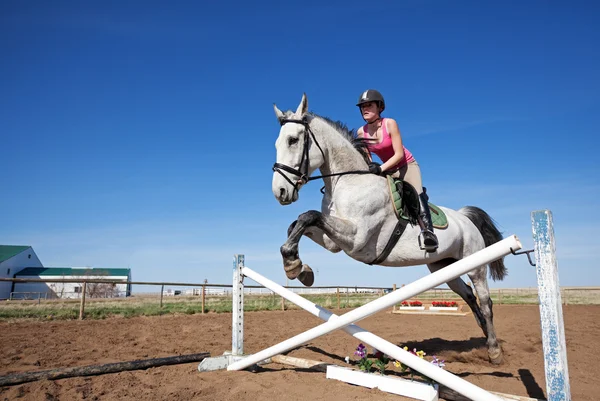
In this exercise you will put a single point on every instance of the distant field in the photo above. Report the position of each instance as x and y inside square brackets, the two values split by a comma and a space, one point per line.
[149, 304]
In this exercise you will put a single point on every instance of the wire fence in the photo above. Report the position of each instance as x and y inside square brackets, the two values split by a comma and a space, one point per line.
[203, 298]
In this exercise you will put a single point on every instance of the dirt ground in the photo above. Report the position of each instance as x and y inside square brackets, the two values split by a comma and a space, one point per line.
[31, 346]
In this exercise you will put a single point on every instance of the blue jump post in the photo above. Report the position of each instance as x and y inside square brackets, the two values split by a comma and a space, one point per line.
[553, 329]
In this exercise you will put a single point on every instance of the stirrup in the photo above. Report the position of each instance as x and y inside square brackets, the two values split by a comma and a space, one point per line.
[428, 248]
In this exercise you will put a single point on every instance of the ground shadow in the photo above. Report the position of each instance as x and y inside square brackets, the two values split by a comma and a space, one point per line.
[434, 346]
[533, 388]
[438, 345]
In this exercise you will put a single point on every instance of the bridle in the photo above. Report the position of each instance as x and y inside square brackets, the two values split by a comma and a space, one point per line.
[302, 173]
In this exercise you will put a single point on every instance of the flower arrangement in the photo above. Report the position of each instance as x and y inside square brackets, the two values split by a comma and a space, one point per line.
[412, 303]
[444, 304]
[365, 364]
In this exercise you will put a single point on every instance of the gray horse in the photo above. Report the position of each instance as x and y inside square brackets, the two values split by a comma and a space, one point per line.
[357, 215]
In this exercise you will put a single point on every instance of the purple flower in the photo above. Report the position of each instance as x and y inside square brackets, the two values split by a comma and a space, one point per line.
[361, 351]
[438, 362]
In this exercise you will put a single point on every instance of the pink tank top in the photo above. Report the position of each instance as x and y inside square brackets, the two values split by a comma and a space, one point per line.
[385, 150]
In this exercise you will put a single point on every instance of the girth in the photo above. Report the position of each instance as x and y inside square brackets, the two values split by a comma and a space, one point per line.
[396, 234]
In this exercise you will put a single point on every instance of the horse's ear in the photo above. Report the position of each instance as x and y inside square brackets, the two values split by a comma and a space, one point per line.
[302, 107]
[278, 112]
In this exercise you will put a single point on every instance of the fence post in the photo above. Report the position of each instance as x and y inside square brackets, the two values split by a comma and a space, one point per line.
[82, 304]
[203, 297]
[337, 291]
[162, 290]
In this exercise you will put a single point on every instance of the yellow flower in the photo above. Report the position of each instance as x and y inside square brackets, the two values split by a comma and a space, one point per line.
[397, 364]
[405, 348]
[421, 354]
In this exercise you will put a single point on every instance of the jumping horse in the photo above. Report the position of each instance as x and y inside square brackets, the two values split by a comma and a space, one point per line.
[357, 216]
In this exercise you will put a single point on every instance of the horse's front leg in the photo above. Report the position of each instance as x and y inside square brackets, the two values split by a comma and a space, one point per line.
[341, 232]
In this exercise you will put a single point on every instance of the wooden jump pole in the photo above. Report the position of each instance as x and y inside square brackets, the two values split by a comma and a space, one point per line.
[93, 370]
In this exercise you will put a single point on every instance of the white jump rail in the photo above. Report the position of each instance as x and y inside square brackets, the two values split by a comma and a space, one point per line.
[345, 322]
[456, 269]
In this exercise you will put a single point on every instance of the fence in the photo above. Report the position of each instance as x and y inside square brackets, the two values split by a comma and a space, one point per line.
[201, 298]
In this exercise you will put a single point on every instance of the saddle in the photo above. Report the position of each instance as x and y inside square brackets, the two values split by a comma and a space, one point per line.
[405, 202]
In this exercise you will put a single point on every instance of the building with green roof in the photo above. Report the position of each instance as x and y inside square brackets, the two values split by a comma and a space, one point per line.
[20, 261]
[53, 289]
[13, 259]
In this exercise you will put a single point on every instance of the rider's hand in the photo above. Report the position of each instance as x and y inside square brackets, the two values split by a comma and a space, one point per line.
[374, 168]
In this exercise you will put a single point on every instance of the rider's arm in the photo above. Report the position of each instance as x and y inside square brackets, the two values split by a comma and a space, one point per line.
[394, 131]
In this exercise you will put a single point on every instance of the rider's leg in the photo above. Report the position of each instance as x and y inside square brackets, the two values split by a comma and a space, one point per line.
[413, 177]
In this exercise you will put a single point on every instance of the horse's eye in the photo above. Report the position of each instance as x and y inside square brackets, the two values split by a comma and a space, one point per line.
[292, 141]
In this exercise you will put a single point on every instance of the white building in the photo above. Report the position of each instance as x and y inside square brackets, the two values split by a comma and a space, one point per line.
[72, 290]
[13, 259]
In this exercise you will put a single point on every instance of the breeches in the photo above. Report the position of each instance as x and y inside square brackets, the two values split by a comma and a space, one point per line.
[411, 173]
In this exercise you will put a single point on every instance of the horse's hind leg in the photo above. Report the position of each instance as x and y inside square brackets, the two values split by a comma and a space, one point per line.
[478, 277]
[482, 316]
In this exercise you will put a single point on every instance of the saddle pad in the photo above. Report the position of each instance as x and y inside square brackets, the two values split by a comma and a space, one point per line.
[438, 217]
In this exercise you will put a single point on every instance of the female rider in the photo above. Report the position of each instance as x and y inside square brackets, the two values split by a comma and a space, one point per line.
[384, 139]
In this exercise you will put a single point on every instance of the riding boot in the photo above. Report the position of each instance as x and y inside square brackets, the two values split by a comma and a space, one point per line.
[430, 241]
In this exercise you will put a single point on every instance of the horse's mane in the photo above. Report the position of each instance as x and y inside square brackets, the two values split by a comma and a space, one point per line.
[360, 144]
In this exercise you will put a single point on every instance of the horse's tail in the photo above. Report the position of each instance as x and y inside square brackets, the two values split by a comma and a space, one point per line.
[490, 234]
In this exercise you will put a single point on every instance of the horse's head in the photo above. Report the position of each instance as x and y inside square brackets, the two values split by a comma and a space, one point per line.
[297, 155]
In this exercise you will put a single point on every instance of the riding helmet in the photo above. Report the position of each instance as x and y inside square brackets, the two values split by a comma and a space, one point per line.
[371, 95]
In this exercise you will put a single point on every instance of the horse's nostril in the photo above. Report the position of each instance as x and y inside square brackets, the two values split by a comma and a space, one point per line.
[281, 192]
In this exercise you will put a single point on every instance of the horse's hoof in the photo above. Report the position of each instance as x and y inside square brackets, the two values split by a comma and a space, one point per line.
[306, 276]
[293, 269]
[496, 357]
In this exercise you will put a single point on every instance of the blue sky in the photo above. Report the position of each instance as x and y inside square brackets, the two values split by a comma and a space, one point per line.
[141, 133]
